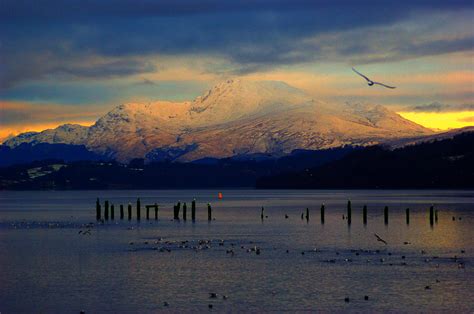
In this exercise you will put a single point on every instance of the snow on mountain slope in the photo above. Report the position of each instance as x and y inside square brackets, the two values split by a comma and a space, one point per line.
[66, 134]
[237, 99]
[132, 130]
[234, 117]
[309, 126]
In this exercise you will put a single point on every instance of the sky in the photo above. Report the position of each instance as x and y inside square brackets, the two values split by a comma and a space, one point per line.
[73, 60]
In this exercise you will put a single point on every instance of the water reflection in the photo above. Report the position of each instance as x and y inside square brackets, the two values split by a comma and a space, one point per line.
[302, 265]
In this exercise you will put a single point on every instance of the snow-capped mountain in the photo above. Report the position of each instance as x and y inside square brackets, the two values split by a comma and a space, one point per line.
[233, 118]
[63, 134]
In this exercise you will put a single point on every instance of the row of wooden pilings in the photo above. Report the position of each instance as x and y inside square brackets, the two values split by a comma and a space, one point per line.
[433, 214]
[110, 209]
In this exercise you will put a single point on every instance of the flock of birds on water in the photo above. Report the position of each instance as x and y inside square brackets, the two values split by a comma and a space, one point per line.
[232, 248]
[357, 256]
[380, 257]
[235, 247]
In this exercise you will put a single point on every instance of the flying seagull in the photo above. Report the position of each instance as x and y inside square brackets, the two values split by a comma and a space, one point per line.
[370, 82]
[380, 239]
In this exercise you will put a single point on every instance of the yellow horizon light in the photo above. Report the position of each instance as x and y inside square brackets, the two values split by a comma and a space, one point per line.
[14, 130]
[440, 120]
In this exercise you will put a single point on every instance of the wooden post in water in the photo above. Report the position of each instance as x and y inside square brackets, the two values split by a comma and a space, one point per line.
[436, 216]
[121, 211]
[178, 209]
[322, 213]
[112, 212]
[106, 210]
[129, 211]
[407, 214]
[307, 214]
[147, 212]
[209, 212]
[385, 215]
[364, 214]
[138, 209]
[185, 209]
[431, 214]
[156, 211]
[349, 212]
[175, 212]
[97, 209]
[193, 210]
[261, 213]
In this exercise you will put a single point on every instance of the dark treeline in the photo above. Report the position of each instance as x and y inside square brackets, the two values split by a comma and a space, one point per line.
[446, 163]
[30, 152]
[236, 172]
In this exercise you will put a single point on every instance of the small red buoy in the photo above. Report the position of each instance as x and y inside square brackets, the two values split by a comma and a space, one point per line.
[219, 195]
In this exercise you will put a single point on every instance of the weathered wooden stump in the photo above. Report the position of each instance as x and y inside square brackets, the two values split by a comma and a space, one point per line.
[121, 211]
[322, 213]
[147, 212]
[193, 210]
[138, 209]
[364, 214]
[349, 212]
[112, 212]
[262, 214]
[106, 210]
[431, 215]
[307, 214]
[156, 211]
[209, 212]
[436, 216]
[177, 209]
[185, 209]
[407, 215]
[175, 212]
[385, 215]
[97, 210]
[129, 211]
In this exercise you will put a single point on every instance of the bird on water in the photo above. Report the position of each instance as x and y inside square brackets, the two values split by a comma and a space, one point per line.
[370, 82]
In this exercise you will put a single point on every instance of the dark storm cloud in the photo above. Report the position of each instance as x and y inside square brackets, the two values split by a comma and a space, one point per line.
[115, 68]
[51, 37]
[385, 45]
[66, 9]
[439, 107]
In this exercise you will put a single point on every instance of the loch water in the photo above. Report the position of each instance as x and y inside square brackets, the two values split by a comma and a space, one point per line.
[55, 257]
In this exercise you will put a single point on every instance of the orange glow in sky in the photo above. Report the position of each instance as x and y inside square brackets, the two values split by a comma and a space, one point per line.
[441, 120]
[6, 132]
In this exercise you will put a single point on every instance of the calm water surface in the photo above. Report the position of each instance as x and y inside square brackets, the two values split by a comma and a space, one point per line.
[48, 264]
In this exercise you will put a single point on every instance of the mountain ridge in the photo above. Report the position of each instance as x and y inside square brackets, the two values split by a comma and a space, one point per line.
[234, 117]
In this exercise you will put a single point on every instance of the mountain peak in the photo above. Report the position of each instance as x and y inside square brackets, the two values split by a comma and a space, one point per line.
[236, 116]
[238, 98]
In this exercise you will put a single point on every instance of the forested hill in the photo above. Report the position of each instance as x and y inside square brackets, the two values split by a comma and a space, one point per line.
[447, 163]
